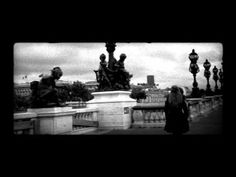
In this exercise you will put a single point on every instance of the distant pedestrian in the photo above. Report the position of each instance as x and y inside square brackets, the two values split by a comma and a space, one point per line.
[176, 111]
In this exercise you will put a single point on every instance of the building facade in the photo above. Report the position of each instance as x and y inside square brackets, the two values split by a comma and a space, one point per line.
[91, 85]
[22, 89]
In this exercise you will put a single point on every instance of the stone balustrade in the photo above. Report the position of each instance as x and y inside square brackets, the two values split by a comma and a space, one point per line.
[24, 123]
[54, 122]
[85, 117]
[50, 121]
[148, 115]
[153, 115]
[195, 107]
[200, 106]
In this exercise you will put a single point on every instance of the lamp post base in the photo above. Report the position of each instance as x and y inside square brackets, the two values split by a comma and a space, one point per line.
[195, 93]
[217, 91]
[209, 92]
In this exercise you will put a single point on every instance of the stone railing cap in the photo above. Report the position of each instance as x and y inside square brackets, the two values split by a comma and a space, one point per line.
[110, 92]
[194, 99]
[83, 110]
[25, 115]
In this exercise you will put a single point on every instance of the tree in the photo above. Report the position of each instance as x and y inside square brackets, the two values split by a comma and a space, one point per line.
[64, 93]
[138, 93]
[75, 92]
[80, 92]
[21, 103]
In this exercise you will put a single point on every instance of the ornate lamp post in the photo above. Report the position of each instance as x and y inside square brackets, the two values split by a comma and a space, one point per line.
[207, 74]
[215, 77]
[221, 79]
[111, 46]
[194, 69]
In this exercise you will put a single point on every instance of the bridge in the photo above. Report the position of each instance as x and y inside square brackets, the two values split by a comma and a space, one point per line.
[205, 124]
[148, 119]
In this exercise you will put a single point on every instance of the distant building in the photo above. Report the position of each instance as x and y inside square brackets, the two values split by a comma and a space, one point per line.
[62, 83]
[22, 89]
[150, 80]
[150, 85]
[155, 96]
[143, 85]
[91, 85]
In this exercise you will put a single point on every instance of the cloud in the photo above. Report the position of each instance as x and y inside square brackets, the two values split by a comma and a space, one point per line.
[168, 62]
[31, 58]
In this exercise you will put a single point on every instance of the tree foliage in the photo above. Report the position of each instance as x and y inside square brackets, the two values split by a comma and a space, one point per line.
[20, 103]
[138, 93]
[76, 92]
[79, 90]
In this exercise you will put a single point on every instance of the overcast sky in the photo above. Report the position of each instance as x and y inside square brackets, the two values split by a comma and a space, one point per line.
[168, 62]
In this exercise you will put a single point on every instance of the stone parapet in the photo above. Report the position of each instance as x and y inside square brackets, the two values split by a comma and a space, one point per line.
[114, 109]
[24, 123]
[153, 114]
[148, 115]
[56, 120]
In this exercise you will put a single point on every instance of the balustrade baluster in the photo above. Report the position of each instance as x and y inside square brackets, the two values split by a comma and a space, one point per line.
[155, 116]
[87, 116]
[159, 117]
[148, 114]
[144, 116]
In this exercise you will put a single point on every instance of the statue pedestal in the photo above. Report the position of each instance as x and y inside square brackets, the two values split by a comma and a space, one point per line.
[114, 109]
[54, 120]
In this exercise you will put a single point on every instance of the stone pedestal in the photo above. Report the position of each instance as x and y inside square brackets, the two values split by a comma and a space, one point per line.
[114, 109]
[54, 120]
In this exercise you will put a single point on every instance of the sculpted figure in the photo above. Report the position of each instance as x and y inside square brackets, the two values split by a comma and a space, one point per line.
[123, 75]
[44, 93]
[102, 73]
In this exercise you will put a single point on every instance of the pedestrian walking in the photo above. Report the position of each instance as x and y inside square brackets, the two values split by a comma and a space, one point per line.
[177, 112]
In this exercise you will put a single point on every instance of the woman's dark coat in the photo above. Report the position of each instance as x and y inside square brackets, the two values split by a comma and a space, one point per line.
[176, 117]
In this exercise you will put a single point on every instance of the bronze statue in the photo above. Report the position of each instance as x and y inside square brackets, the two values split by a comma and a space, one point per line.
[44, 93]
[123, 75]
[102, 73]
[112, 76]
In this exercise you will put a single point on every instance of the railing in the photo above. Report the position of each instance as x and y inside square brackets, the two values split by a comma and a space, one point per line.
[194, 105]
[85, 117]
[24, 123]
[200, 106]
[148, 115]
[153, 115]
[142, 115]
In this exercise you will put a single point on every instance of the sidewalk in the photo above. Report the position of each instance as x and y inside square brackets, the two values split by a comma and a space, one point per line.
[210, 124]
[207, 124]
